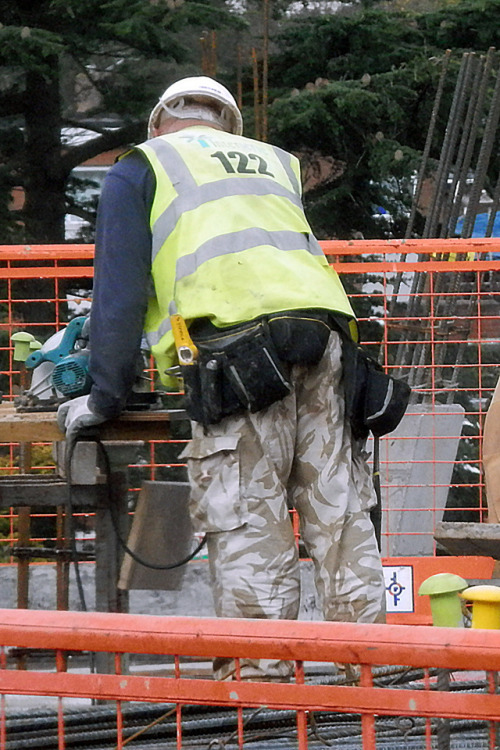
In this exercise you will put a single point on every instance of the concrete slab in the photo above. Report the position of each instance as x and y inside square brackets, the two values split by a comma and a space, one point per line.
[469, 538]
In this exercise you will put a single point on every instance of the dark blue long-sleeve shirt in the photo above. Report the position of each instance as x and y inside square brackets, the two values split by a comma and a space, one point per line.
[122, 277]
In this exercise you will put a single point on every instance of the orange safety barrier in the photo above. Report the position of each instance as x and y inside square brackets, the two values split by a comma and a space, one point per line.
[406, 684]
[427, 311]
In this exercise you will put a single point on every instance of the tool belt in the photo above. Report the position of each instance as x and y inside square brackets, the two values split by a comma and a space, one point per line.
[247, 367]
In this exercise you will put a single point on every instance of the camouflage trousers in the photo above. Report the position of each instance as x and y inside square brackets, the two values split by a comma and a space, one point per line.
[248, 471]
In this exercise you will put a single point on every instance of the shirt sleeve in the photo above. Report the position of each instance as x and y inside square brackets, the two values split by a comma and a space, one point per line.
[122, 270]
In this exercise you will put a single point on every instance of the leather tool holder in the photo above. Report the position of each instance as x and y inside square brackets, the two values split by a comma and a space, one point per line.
[375, 401]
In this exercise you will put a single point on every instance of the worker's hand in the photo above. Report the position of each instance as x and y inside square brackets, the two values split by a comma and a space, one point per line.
[75, 415]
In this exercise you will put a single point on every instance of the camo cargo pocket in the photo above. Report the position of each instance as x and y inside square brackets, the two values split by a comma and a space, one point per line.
[214, 473]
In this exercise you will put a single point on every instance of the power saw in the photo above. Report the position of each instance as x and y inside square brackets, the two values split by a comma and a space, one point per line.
[60, 368]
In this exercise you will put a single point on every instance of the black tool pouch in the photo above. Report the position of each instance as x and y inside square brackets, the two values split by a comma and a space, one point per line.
[375, 402]
[252, 367]
[245, 374]
[192, 391]
[300, 336]
[208, 395]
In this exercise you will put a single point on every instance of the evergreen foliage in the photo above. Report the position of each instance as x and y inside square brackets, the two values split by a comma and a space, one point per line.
[355, 85]
[68, 63]
[359, 87]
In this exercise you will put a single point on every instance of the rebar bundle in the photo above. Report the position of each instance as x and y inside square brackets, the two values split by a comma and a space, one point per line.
[459, 181]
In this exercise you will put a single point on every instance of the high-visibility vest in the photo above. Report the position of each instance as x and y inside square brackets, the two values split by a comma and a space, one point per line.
[230, 240]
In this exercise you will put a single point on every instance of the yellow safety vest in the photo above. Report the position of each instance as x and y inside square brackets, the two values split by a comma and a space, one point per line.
[230, 238]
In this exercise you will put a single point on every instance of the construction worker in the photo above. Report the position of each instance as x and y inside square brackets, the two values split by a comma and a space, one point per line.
[204, 226]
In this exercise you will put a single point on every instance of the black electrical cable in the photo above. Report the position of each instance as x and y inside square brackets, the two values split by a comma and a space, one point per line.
[116, 528]
[70, 447]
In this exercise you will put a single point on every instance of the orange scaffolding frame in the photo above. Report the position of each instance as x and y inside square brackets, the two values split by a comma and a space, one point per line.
[369, 268]
[441, 319]
[434, 651]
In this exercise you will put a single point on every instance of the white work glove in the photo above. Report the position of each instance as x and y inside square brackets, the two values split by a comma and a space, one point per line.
[75, 415]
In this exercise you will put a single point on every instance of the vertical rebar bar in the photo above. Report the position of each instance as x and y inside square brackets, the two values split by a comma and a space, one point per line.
[265, 62]
[483, 160]
[448, 146]
[476, 121]
[402, 350]
[256, 93]
[239, 82]
[444, 194]
[493, 209]
[457, 282]
[449, 202]
[415, 305]
[428, 143]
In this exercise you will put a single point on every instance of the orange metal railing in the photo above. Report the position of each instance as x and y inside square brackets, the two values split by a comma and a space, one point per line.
[428, 310]
[436, 324]
[316, 709]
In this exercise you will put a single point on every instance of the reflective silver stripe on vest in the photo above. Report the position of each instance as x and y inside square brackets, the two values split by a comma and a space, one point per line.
[187, 201]
[286, 162]
[193, 196]
[173, 164]
[228, 244]
[314, 246]
[237, 242]
[154, 337]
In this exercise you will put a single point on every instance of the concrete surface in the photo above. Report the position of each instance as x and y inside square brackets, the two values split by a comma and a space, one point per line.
[194, 598]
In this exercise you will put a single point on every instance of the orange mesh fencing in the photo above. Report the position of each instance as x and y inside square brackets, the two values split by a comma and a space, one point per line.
[428, 310]
[354, 686]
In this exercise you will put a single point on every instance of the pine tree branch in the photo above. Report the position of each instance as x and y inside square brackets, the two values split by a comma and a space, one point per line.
[127, 134]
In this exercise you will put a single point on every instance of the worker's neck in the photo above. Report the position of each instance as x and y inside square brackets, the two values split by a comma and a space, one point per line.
[174, 125]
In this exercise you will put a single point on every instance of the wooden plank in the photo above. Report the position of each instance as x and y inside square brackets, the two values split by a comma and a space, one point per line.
[40, 494]
[469, 538]
[41, 427]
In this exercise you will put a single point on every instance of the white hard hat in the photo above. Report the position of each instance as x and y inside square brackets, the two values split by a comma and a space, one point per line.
[199, 97]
